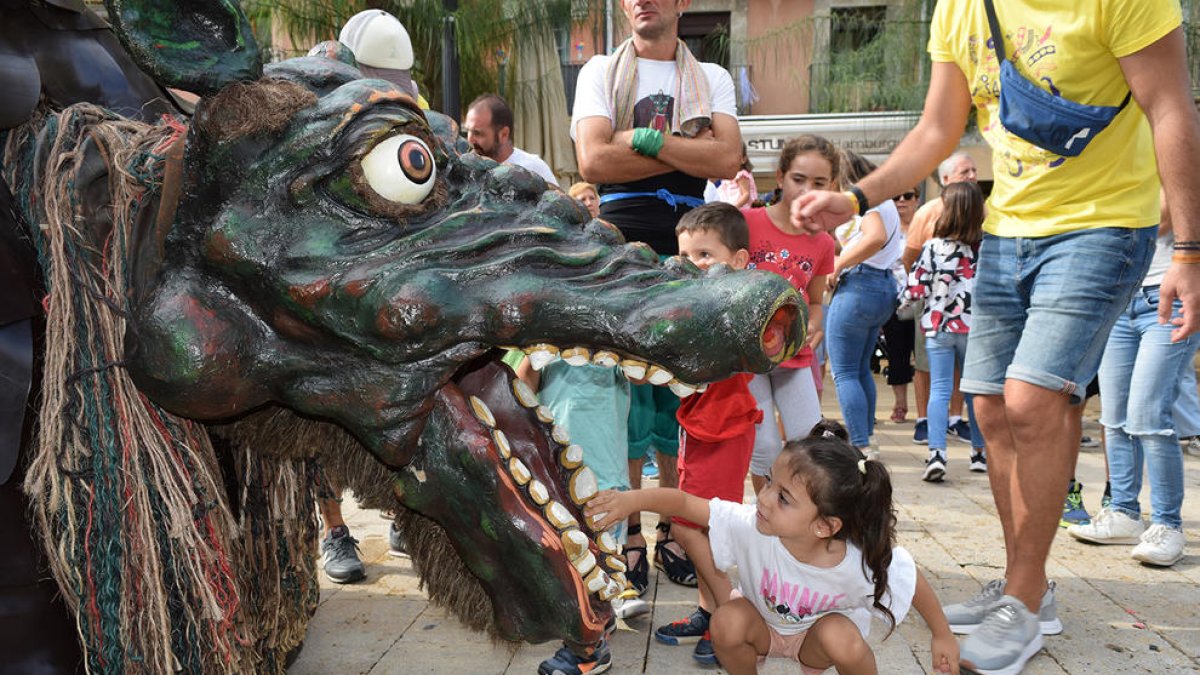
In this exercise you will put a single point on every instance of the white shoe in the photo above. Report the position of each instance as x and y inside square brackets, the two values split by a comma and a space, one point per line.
[1109, 527]
[628, 605]
[935, 467]
[1161, 546]
[1191, 445]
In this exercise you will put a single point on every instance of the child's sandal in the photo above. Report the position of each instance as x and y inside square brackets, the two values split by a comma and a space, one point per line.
[678, 569]
[638, 573]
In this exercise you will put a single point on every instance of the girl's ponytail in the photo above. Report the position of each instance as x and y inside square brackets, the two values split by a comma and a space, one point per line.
[876, 530]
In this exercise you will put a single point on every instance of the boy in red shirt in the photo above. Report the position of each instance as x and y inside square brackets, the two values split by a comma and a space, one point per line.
[716, 435]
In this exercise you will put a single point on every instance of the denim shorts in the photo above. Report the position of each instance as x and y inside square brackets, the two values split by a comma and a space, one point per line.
[1043, 307]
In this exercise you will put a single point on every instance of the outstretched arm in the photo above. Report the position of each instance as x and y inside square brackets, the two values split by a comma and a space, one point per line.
[933, 139]
[613, 506]
[943, 644]
[1158, 78]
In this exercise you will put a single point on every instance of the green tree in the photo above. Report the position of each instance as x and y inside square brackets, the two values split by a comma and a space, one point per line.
[487, 32]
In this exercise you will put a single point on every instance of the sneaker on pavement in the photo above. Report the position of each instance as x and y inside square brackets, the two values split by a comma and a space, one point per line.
[1161, 546]
[1110, 526]
[684, 631]
[397, 547]
[921, 432]
[1074, 512]
[935, 466]
[704, 652]
[979, 461]
[649, 469]
[567, 662]
[339, 553]
[965, 617]
[1006, 639]
[1191, 445]
[960, 431]
[628, 605]
[1088, 442]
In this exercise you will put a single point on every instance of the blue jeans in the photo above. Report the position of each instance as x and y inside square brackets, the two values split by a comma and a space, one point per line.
[946, 350]
[1139, 380]
[864, 301]
[1043, 306]
[1187, 406]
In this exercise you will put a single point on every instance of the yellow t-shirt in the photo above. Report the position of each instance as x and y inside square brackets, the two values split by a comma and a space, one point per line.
[1069, 47]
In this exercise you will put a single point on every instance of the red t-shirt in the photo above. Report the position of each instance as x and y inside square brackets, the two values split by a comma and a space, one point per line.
[725, 410]
[796, 257]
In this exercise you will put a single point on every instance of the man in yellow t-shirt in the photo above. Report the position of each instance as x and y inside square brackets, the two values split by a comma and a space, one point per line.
[1068, 241]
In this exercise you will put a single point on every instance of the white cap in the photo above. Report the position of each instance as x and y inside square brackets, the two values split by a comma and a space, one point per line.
[378, 39]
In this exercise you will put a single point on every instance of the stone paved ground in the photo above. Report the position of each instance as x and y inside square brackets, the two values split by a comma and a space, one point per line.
[1120, 617]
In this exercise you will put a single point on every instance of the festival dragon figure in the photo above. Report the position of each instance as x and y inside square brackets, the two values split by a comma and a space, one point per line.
[311, 268]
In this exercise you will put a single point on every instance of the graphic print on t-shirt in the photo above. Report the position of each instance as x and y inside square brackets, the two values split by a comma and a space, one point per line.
[654, 112]
[795, 602]
[797, 269]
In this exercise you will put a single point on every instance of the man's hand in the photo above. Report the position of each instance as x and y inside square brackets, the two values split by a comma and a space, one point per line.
[821, 211]
[1182, 281]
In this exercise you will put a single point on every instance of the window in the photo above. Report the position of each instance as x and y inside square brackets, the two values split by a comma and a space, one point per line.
[707, 35]
[853, 28]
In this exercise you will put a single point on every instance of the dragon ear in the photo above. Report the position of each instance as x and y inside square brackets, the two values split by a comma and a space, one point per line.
[195, 45]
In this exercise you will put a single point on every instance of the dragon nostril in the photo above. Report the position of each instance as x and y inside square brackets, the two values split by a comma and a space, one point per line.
[778, 332]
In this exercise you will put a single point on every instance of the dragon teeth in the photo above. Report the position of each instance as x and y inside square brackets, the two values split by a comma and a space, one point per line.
[519, 471]
[502, 445]
[612, 590]
[596, 581]
[680, 389]
[524, 394]
[483, 412]
[560, 435]
[583, 486]
[615, 564]
[620, 579]
[594, 520]
[575, 542]
[702, 388]
[542, 356]
[607, 543]
[544, 415]
[634, 370]
[559, 516]
[659, 376]
[538, 492]
[571, 456]
[606, 359]
[576, 356]
[585, 564]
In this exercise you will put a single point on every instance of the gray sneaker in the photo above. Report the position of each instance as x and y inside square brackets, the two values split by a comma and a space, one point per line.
[965, 617]
[340, 558]
[1005, 641]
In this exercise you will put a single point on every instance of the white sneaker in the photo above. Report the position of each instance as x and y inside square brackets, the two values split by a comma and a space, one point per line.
[1109, 527]
[1161, 546]
[628, 605]
[1191, 445]
[935, 466]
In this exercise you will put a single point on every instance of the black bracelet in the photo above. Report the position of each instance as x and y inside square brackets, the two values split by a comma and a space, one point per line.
[861, 197]
[1186, 245]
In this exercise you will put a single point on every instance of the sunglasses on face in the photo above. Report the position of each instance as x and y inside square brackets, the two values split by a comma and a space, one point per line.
[905, 196]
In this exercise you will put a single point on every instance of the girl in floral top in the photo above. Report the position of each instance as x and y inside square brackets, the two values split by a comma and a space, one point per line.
[944, 277]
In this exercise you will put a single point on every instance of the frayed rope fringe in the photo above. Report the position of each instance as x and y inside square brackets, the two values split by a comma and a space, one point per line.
[127, 499]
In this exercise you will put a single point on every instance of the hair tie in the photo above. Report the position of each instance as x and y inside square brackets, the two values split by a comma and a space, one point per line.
[862, 466]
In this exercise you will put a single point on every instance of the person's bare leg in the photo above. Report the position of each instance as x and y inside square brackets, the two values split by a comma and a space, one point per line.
[834, 640]
[739, 635]
[1030, 456]
[900, 394]
[921, 392]
[713, 584]
[668, 477]
[635, 518]
[956, 397]
[331, 513]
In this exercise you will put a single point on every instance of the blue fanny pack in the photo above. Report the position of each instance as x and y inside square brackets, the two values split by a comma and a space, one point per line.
[1050, 122]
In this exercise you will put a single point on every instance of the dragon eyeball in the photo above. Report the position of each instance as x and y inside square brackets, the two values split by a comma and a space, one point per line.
[400, 169]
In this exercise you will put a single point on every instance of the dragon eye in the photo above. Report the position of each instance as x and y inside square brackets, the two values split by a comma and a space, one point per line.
[400, 169]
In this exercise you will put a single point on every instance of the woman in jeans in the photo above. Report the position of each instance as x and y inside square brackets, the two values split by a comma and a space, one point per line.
[944, 277]
[1139, 380]
[863, 300]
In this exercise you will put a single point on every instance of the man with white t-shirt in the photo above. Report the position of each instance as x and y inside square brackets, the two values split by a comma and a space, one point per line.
[489, 128]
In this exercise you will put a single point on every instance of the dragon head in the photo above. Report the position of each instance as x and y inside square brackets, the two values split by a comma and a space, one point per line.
[330, 252]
